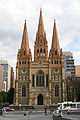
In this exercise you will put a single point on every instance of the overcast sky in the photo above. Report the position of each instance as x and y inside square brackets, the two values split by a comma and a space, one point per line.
[12, 17]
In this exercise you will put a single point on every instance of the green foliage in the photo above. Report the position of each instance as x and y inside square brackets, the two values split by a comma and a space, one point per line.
[7, 96]
[3, 96]
[10, 96]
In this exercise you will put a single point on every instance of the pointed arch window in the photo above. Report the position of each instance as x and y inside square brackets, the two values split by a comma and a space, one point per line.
[25, 77]
[21, 77]
[22, 61]
[41, 52]
[44, 53]
[56, 91]
[43, 80]
[37, 80]
[24, 52]
[28, 61]
[32, 80]
[46, 80]
[25, 61]
[19, 62]
[55, 52]
[58, 77]
[41, 41]
[37, 52]
[23, 91]
[40, 78]
[54, 61]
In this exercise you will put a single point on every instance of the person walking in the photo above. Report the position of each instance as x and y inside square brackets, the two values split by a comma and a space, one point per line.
[45, 111]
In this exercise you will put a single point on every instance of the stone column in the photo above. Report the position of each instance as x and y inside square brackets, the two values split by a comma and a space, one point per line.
[45, 81]
[35, 81]
[16, 93]
[30, 86]
[49, 79]
[30, 80]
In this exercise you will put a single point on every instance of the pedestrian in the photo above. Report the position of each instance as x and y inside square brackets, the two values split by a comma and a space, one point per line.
[45, 111]
[59, 116]
[57, 111]
[53, 113]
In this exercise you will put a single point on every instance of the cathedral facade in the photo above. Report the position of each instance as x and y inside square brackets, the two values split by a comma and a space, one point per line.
[41, 81]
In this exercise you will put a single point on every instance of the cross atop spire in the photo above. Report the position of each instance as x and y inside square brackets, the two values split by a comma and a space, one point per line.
[25, 42]
[40, 25]
[55, 41]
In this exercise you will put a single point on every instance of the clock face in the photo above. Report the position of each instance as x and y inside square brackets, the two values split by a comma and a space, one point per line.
[56, 71]
[23, 71]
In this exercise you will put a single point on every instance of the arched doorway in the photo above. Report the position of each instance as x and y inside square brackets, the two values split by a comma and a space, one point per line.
[40, 100]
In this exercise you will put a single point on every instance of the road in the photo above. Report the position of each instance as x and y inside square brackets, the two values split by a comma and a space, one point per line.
[40, 116]
[28, 117]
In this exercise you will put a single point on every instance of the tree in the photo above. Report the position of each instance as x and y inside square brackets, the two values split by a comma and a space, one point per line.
[3, 96]
[10, 96]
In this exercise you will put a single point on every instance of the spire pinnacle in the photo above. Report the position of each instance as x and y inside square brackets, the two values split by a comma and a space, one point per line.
[54, 20]
[55, 41]
[25, 21]
[25, 42]
[40, 25]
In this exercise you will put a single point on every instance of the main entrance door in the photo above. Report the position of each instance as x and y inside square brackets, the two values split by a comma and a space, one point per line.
[40, 100]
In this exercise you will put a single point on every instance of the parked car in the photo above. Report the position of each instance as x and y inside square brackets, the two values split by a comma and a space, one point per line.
[7, 109]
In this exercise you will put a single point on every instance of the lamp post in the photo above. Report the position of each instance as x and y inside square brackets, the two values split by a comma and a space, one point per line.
[20, 106]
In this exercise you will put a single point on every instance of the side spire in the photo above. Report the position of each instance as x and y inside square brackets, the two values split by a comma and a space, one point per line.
[55, 41]
[25, 41]
[41, 25]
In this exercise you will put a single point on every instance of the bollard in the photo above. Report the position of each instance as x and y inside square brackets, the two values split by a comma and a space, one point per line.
[24, 114]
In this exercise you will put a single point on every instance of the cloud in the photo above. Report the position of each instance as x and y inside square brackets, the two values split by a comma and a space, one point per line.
[13, 14]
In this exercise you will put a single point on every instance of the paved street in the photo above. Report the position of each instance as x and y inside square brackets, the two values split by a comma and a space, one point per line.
[41, 116]
[72, 117]
[28, 117]
[36, 117]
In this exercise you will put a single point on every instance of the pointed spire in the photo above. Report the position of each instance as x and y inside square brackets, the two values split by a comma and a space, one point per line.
[55, 41]
[25, 42]
[40, 25]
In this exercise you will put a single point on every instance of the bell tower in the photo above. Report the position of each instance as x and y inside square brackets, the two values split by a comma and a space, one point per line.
[55, 54]
[24, 56]
[41, 47]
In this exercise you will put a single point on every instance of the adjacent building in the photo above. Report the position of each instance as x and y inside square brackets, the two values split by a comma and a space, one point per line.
[73, 89]
[1, 78]
[41, 81]
[77, 70]
[69, 64]
[12, 79]
[6, 74]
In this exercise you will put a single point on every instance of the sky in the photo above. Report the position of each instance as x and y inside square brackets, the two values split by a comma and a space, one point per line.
[12, 17]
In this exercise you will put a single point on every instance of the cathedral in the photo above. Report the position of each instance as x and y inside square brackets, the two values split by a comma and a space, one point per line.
[42, 80]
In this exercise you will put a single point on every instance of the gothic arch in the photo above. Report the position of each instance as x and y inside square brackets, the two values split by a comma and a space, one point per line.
[40, 99]
[40, 78]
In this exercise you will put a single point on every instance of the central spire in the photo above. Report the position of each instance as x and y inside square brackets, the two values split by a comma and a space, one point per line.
[55, 41]
[41, 47]
[40, 25]
[25, 42]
